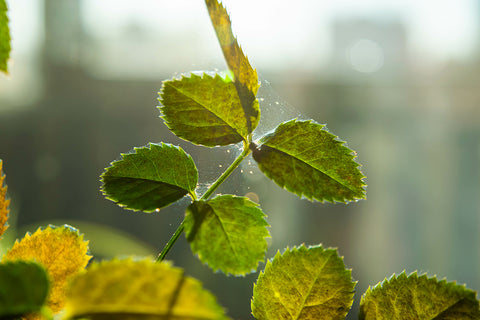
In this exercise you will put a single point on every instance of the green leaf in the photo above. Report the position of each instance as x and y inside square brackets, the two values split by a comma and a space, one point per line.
[303, 283]
[151, 178]
[4, 37]
[227, 233]
[418, 297]
[127, 289]
[23, 288]
[307, 160]
[204, 110]
[245, 77]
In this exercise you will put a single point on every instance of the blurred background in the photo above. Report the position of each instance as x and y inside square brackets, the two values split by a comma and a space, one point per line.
[399, 80]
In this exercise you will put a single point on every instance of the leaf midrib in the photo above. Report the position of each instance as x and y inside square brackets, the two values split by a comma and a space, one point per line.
[312, 285]
[351, 188]
[226, 234]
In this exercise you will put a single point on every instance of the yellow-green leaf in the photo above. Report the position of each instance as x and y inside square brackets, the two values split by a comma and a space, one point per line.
[4, 203]
[227, 233]
[127, 289]
[61, 250]
[4, 37]
[23, 288]
[303, 283]
[245, 77]
[153, 177]
[418, 297]
[305, 159]
[204, 110]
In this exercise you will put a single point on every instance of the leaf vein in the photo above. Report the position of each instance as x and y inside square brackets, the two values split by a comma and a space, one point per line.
[317, 275]
[200, 103]
[227, 236]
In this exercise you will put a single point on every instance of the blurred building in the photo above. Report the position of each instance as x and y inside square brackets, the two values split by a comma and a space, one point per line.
[86, 93]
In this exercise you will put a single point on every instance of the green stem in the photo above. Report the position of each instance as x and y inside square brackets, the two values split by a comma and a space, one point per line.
[245, 152]
[170, 242]
[233, 166]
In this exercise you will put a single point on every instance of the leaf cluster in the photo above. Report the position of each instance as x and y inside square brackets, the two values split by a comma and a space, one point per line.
[228, 232]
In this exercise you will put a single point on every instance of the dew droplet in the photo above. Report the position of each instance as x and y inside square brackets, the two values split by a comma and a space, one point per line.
[220, 166]
[241, 170]
[157, 210]
[251, 172]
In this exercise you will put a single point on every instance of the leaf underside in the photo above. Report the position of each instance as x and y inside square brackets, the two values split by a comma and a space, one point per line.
[24, 288]
[4, 37]
[307, 160]
[245, 77]
[204, 110]
[4, 203]
[418, 297]
[228, 233]
[151, 178]
[303, 283]
[61, 250]
[127, 289]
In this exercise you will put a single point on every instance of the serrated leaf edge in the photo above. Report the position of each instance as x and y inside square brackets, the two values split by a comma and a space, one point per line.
[304, 248]
[123, 261]
[414, 275]
[133, 152]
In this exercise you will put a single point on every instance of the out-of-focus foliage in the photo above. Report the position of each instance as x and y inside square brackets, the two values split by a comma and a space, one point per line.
[4, 37]
[127, 289]
[4, 203]
[23, 288]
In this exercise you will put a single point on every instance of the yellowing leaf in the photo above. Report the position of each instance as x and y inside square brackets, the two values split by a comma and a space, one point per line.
[420, 298]
[303, 283]
[4, 203]
[61, 250]
[127, 289]
[246, 79]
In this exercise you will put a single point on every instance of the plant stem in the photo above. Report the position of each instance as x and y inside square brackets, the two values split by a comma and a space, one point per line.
[245, 152]
[233, 166]
[170, 242]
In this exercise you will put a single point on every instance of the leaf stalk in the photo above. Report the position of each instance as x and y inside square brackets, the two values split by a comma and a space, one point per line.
[245, 152]
[171, 242]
